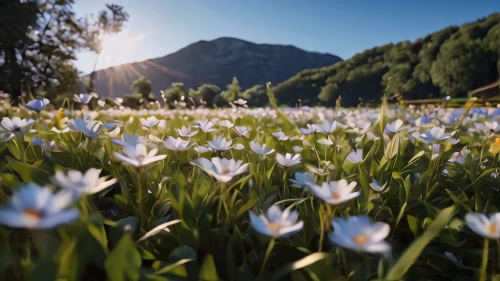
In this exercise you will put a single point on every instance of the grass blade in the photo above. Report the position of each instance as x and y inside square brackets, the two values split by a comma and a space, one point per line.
[413, 252]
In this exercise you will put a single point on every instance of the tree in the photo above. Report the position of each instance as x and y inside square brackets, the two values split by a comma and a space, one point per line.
[452, 61]
[39, 39]
[143, 86]
[328, 93]
[256, 96]
[174, 93]
[230, 94]
[207, 92]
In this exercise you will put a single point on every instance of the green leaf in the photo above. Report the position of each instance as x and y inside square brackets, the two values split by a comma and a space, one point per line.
[415, 249]
[310, 259]
[124, 261]
[413, 224]
[45, 270]
[172, 266]
[27, 172]
[157, 229]
[97, 231]
[8, 180]
[208, 270]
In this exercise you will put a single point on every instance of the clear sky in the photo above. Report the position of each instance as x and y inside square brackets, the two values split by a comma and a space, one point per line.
[341, 27]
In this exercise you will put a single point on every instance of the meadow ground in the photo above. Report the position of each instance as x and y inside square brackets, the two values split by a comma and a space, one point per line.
[248, 194]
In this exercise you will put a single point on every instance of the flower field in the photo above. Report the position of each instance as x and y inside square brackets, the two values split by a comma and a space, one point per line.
[111, 193]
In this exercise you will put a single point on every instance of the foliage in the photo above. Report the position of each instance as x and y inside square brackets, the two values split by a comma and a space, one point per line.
[449, 62]
[174, 94]
[230, 94]
[141, 86]
[256, 96]
[205, 92]
[41, 38]
[419, 171]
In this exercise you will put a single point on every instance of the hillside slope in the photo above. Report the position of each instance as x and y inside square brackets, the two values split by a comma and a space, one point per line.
[213, 62]
[450, 62]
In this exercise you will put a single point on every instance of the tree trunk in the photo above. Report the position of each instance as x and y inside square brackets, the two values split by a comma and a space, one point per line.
[15, 74]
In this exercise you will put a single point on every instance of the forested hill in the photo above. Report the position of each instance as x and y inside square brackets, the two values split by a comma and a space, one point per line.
[450, 62]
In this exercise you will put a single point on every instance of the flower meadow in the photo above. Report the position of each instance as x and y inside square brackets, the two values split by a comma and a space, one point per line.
[111, 193]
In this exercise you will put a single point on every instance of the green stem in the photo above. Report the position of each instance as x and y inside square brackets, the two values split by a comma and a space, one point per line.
[266, 257]
[138, 200]
[321, 228]
[498, 253]
[484, 262]
[285, 185]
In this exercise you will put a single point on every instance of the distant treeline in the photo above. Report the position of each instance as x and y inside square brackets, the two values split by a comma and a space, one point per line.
[450, 62]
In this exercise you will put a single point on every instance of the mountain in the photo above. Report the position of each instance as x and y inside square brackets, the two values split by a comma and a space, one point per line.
[213, 62]
[449, 62]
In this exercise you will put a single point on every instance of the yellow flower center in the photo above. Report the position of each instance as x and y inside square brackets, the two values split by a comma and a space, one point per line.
[273, 226]
[492, 228]
[335, 196]
[35, 214]
[360, 239]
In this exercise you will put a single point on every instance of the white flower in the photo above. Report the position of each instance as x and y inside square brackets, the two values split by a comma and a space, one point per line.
[223, 170]
[118, 101]
[203, 149]
[355, 156]
[436, 133]
[376, 186]
[334, 192]
[101, 103]
[238, 146]
[488, 127]
[5, 137]
[17, 125]
[301, 179]
[84, 184]
[226, 123]
[329, 126]
[38, 105]
[459, 157]
[288, 160]
[205, 126]
[128, 140]
[360, 233]
[35, 207]
[310, 129]
[110, 126]
[276, 223]
[150, 122]
[318, 170]
[261, 150]
[435, 149]
[486, 226]
[92, 129]
[82, 98]
[240, 102]
[324, 141]
[186, 132]
[280, 136]
[297, 149]
[242, 130]
[45, 144]
[138, 155]
[178, 144]
[220, 144]
[395, 126]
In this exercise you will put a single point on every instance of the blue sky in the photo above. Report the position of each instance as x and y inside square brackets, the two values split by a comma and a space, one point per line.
[341, 27]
